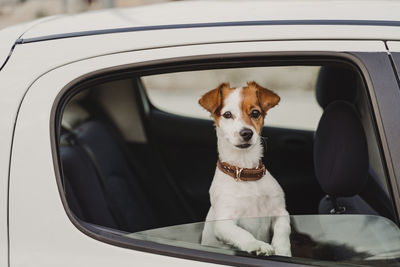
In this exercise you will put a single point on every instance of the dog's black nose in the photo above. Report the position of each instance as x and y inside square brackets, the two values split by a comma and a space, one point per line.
[246, 134]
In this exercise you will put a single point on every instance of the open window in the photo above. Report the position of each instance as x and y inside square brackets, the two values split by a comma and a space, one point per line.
[138, 155]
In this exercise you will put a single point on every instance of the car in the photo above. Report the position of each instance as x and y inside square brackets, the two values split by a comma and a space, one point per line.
[107, 157]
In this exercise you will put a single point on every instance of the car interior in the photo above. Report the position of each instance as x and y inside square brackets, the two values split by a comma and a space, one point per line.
[130, 166]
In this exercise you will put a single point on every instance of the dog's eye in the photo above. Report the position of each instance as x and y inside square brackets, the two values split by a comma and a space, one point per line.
[227, 115]
[255, 114]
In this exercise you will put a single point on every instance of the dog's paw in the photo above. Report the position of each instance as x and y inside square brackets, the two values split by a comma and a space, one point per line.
[283, 251]
[259, 248]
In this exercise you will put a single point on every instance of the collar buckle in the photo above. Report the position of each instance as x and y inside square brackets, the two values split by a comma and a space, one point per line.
[238, 173]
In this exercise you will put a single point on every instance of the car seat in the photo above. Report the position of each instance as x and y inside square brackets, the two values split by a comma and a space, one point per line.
[356, 188]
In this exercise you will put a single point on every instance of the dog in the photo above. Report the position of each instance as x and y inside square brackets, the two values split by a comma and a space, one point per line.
[247, 203]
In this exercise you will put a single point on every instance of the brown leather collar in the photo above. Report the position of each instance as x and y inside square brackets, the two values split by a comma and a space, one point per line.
[242, 174]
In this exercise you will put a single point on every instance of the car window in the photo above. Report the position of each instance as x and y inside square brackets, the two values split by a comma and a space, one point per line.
[179, 92]
[138, 155]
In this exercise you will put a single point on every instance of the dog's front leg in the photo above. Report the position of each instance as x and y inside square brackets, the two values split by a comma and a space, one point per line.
[281, 234]
[229, 232]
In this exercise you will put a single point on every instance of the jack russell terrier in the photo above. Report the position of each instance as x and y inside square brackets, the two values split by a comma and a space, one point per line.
[247, 203]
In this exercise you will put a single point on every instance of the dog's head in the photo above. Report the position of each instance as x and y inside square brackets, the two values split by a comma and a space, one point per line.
[239, 112]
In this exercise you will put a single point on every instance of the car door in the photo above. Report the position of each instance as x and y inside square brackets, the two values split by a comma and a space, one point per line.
[42, 229]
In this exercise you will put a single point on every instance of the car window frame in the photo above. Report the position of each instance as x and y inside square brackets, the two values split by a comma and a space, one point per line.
[223, 60]
[383, 92]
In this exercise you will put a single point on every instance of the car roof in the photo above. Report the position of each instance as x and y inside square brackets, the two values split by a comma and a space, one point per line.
[183, 14]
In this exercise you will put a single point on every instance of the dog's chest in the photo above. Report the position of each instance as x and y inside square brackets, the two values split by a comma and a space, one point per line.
[245, 199]
[253, 205]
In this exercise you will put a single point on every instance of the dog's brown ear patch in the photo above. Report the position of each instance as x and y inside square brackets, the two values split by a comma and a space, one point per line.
[212, 100]
[267, 98]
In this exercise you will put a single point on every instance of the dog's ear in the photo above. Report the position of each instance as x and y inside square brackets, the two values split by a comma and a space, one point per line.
[212, 100]
[266, 97]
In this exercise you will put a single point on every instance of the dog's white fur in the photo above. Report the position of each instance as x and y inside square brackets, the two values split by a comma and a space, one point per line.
[243, 213]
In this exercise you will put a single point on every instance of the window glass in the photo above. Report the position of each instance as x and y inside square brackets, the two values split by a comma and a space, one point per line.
[147, 175]
[179, 92]
[365, 240]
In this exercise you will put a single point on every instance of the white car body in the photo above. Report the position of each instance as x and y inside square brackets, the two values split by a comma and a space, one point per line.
[42, 58]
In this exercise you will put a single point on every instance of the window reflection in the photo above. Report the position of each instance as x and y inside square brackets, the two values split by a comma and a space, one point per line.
[364, 239]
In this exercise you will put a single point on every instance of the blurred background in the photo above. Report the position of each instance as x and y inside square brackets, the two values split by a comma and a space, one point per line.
[18, 11]
[179, 92]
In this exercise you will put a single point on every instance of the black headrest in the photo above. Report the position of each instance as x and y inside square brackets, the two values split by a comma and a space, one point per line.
[336, 83]
[340, 151]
